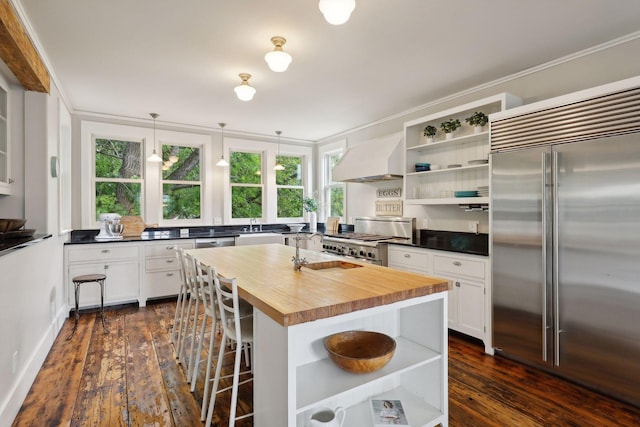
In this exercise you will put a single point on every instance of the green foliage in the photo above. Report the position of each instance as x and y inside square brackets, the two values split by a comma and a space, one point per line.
[289, 202]
[245, 168]
[477, 119]
[430, 131]
[450, 125]
[292, 173]
[180, 201]
[337, 199]
[310, 204]
[118, 197]
[246, 202]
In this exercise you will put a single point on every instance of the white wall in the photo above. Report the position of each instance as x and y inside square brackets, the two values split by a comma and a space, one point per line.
[600, 65]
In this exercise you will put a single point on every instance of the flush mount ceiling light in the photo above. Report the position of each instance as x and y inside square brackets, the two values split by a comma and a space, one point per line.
[337, 12]
[154, 157]
[222, 162]
[244, 91]
[278, 59]
[278, 166]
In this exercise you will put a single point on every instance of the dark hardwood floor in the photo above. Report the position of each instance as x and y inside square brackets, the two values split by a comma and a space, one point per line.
[130, 377]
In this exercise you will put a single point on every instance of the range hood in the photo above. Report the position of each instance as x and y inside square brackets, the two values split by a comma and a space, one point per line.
[372, 161]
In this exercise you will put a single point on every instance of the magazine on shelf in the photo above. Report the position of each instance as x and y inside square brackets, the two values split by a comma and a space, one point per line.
[388, 412]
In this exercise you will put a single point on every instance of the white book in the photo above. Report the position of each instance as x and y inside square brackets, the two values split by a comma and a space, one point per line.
[387, 412]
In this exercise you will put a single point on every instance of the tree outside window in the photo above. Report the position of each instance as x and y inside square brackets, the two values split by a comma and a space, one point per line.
[181, 182]
[333, 191]
[118, 177]
[290, 188]
[245, 176]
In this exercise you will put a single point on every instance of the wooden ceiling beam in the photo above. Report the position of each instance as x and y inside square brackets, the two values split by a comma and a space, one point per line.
[17, 51]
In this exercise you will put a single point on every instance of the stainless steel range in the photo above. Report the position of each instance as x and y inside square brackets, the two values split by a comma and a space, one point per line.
[370, 238]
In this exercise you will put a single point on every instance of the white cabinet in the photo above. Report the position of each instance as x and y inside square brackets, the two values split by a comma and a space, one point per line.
[118, 261]
[5, 146]
[468, 306]
[457, 164]
[467, 297]
[162, 269]
[417, 373]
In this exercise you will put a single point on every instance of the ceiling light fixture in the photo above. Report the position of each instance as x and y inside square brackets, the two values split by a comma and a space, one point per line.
[222, 162]
[154, 157]
[278, 166]
[244, 91]
[278, 59]
[337, 12]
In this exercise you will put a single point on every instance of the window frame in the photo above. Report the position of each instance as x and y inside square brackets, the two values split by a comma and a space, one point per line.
[301, 187]
[324, 152]
[261, 185]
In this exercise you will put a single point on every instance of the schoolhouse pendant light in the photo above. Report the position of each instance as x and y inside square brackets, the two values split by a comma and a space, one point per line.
[278, 60]
[154, 157]
[222, 162]
[244, 91]
[337, 12]
[278, 166]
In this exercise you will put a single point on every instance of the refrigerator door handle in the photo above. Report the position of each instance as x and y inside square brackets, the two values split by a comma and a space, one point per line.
[556, 264]
[544, 255]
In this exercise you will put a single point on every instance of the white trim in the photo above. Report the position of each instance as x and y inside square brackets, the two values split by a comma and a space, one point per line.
[324, 150]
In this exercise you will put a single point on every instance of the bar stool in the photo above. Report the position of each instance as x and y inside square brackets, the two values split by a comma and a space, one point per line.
[88, 278]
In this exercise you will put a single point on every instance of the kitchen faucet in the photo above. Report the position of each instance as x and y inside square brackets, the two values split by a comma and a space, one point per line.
[253, 221]
[298, 262]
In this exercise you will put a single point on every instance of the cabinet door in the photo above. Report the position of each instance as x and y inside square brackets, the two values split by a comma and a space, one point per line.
[122, 281]
[452, 319]
[470, 308]
[162, 283]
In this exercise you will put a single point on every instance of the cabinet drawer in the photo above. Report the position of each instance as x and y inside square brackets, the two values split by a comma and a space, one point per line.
[459, 266]
[162, 283]
[413, 258]
[99, 253]
[162, 263]
[166, 248]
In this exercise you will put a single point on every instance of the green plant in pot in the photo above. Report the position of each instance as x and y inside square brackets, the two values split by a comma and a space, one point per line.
[477, 120]
[449, 126]
[430, 132]
[310, 205]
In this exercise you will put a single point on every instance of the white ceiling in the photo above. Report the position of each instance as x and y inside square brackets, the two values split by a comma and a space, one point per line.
[181, 58]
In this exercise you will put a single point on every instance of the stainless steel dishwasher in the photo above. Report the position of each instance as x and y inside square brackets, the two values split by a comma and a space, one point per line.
[215, 242]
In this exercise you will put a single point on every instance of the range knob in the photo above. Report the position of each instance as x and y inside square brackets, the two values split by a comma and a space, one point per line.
[370, 255]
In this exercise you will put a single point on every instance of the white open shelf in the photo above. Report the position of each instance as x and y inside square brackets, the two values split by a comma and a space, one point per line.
[474, 137]
[322, 379]
[449, 201]
[445, 170]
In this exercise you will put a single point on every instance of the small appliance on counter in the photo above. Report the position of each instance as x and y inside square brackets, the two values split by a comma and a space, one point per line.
[110, 227]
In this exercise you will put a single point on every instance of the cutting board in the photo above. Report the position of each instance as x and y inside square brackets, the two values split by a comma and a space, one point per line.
[133, 226]
[333, 223]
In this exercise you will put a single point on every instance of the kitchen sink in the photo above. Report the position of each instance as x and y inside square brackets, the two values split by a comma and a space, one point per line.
[256, 238]
[331, 265]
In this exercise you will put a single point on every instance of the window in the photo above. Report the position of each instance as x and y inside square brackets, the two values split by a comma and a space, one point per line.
[333, 191]
[289, 185]
[181, 182]
[118, 177]
[245, 177]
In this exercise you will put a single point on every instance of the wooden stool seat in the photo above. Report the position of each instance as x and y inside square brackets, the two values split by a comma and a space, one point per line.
[88, 278]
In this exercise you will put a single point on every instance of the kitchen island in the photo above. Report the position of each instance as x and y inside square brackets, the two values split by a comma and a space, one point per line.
[295, 310]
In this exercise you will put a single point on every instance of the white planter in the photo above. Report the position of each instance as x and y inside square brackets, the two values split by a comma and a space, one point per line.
[313, 222]
[448, 135]
[478, 129]
[429, 139]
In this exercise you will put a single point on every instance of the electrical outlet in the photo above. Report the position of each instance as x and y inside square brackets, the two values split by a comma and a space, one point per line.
[425, 223]
[14, 363]
[184, 232]
[217, 220]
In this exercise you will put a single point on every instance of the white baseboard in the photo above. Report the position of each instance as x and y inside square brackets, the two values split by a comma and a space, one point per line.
[11, 406]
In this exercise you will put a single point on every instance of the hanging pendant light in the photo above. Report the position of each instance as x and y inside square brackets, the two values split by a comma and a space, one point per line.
[278, 60]
[278, 166]
[337, 12]
[244, 91]
[222, 162]
[154, 157]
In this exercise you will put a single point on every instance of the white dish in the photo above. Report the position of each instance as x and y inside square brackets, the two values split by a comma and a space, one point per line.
[296, 227]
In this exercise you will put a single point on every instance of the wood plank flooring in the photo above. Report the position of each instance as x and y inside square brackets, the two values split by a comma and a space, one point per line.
[130, 377]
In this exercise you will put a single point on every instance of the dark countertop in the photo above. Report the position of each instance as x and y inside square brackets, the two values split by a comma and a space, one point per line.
[10, 245]
[173, 233]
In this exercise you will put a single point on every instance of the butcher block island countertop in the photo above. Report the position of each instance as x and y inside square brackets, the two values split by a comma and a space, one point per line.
[268, 281]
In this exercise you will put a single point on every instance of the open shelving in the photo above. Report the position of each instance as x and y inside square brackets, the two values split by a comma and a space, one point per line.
[438, 187]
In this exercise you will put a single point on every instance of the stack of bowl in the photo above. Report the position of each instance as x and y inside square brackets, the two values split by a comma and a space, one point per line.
[7, 225]
[423, 167]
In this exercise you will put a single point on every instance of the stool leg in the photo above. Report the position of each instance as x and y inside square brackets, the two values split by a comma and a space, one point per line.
[104, 328]
[76, 315]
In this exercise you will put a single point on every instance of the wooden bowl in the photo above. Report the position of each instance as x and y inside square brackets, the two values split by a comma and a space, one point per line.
[360, 351]
[11, 224]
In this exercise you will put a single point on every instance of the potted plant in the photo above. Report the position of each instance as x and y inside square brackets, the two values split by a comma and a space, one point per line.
[449, 126]
[310, 205]
[477, 120]
[430, 132]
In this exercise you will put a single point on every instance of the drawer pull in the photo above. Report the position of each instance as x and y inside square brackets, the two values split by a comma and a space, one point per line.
[458, 284]
[170, 248]
[457, 263]
[169, 274]
[105, 251]
[407, 255]
[170, 261]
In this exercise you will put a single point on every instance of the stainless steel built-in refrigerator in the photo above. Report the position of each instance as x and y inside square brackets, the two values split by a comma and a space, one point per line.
[565, 257]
